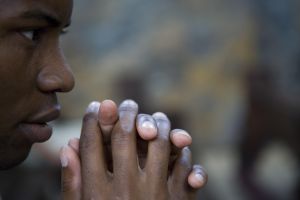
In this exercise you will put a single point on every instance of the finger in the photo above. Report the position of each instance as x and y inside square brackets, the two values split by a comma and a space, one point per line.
[92, 153]
[74, 144]
[158, 153]
[71, 176]
[124, 143]
[108, 115]
[147, 130]
[198, 177]
[178, 184]
[146, 127]
[180, 138]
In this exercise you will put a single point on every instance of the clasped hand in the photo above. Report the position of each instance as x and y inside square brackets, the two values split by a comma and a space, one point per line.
[128, 156]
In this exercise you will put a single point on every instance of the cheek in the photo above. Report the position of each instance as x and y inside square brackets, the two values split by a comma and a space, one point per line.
[16, 77]
[15, 68]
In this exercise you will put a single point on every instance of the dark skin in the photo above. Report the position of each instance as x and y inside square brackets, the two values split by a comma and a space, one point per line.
[151, 180]
[32, 70]
[165, 172]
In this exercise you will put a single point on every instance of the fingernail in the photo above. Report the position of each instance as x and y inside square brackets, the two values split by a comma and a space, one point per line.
[181, 132]
[148, 125]
[196, 180]
[63, 157]
[93, 107]
[108, 113]
[200, 178]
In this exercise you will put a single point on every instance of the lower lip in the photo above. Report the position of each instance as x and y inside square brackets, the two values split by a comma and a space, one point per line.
[36, 133]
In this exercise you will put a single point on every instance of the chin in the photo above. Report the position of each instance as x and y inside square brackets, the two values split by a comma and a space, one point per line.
[11, 157]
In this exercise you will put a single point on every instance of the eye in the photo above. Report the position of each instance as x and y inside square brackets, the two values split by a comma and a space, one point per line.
[30, 34]
[64, 31]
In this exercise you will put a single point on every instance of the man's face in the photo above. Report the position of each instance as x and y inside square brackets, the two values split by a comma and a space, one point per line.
[32, 70]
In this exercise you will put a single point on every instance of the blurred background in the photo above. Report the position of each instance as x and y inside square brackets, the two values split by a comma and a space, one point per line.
[227, 71]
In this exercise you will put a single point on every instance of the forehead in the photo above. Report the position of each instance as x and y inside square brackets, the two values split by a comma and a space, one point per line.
[62, 9]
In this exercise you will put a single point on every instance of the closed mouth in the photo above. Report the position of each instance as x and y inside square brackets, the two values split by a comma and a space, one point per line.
[36, 128]
[46, 116]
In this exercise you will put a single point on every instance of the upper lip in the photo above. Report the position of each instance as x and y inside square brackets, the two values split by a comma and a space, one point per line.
[45, 116]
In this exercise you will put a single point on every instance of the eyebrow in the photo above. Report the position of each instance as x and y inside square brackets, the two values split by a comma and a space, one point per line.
[43, 16]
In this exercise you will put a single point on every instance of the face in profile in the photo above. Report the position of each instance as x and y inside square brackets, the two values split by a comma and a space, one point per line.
[32, 71]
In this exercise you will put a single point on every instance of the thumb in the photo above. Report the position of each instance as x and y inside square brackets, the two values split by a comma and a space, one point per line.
[71, 175]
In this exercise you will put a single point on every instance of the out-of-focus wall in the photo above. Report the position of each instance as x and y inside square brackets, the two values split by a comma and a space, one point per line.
[226, 71]
[186, 58]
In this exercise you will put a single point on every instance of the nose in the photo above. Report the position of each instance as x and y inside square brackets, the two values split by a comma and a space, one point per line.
[55, 74]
